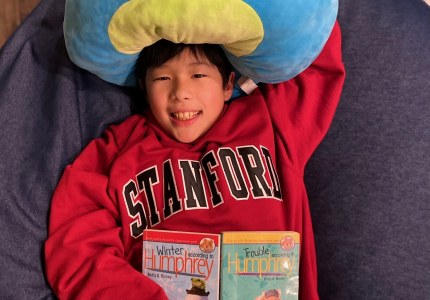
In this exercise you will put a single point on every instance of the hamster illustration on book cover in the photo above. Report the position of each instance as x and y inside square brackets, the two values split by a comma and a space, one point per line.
[260, 265]
[185, 264]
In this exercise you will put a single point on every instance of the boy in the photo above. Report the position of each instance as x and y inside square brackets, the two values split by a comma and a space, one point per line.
[190, 163]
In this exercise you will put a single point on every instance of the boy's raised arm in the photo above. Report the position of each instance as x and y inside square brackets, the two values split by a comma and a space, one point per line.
[84, 253]
[302, 108]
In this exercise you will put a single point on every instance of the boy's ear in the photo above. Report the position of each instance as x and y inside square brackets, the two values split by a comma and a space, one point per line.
[141, 83]
[228, 91]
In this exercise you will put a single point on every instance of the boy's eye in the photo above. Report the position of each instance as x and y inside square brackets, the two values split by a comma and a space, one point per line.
[162, 78]
[198, 75]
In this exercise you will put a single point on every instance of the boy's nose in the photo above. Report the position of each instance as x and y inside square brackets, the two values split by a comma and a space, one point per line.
[181, 90]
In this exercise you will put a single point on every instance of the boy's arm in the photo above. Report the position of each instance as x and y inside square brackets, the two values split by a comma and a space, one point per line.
[84, 253]
[302, 108]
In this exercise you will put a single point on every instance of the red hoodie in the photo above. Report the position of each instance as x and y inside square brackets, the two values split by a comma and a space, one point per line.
[246, 173]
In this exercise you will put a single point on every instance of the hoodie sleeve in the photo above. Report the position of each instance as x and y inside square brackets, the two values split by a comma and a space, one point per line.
[84, 252]
[303, 107]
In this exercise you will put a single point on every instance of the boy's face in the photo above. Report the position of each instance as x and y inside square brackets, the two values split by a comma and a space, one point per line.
[186, 95]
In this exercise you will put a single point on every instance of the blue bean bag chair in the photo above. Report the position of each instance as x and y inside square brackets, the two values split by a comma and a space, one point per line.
[368, 181]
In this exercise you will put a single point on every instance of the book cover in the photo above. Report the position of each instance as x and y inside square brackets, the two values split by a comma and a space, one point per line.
[260, 265]
[185, 264]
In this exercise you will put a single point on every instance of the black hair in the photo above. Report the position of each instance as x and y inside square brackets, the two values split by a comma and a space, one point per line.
[164, 50]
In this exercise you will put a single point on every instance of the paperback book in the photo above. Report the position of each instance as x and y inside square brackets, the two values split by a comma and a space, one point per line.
[260, 265]
[185, 264]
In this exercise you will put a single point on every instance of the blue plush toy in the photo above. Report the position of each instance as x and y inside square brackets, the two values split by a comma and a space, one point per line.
[266, 41]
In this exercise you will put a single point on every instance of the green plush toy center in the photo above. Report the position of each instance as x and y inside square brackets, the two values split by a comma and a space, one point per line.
[140, 23]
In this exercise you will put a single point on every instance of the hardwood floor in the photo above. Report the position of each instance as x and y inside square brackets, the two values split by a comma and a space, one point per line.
[12, 13]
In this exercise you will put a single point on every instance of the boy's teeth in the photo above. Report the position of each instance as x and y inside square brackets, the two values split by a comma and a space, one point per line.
[185, 115]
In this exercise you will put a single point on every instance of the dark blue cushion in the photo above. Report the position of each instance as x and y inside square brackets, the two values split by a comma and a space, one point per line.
[368, 182]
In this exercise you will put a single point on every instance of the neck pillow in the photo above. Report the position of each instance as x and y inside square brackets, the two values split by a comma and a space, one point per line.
[267, 41]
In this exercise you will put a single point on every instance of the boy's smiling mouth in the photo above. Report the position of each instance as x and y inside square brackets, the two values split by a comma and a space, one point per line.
[185, 115]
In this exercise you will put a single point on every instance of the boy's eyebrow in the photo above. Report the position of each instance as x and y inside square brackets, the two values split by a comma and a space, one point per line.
[196, 63]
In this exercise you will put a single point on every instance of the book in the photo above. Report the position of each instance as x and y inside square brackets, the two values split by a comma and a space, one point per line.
[260, 265]
[185, 264]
